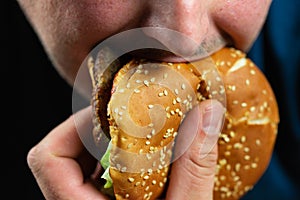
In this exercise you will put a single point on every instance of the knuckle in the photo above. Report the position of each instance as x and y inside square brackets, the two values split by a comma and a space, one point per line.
[34, 160]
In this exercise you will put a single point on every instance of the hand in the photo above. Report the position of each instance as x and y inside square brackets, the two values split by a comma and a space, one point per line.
[64, 169]
[62, 166]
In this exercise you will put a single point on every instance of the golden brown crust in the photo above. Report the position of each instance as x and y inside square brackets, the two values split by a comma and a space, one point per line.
[249, 133]
[246, 140]
[140, 163]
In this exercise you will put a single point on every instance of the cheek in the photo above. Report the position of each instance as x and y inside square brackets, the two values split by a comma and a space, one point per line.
[241, 19]
[69, 29]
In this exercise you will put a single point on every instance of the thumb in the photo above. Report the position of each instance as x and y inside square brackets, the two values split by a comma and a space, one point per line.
[192, 175]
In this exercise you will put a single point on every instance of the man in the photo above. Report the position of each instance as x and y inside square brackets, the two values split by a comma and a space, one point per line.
[70, 29]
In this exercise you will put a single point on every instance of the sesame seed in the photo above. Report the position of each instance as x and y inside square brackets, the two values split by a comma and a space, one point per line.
[233, 55]
[116, 110]
[127, 196]
[224, 189]
[174, 101]
[178, 99]
[244, 104]
[180, 113]
[237, 167]
[150, 125]
[236, 178]
[168, 115]
[243, 139]
[137, 183]
[129, 145]
[146, 177]
[140, 66]
[148, 136]
[165, 92]
[130, 179]
[228, 167]
[138, 81]
[232, 134]
[145, 196]
[123, 169]
[165, 75]
[223, 162]
[233, 87]
[147, 188]
[175, 134]
[252, 109]
[257, 142]
[247, 157]
[161, 184]
[160, 94]
[183, 86]
[128, 85]
[254, 165]
[150, 106]
[147, 142]
[176, 91]
[154, 182]
[136, 90]
[146, 83]
[214, 92]
[146, 72]
[247, 82]
[227, 153]
[246, 149]
[152, 79]
[235, 102]
[237, 145]
[246, 167]
[252, 72]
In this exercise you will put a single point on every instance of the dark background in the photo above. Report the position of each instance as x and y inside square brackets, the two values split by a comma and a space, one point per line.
[35, 99]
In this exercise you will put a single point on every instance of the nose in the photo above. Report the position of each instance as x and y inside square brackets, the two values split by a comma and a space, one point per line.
[192, 30]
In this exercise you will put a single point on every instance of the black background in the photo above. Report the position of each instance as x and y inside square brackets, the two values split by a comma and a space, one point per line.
[34, 99]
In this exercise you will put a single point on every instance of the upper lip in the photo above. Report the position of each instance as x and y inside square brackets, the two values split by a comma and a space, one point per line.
[149, 48]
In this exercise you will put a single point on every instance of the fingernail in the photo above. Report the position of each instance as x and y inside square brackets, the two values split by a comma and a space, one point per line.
[213, 118]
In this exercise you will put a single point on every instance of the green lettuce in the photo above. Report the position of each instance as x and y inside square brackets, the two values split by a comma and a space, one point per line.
[106, 164]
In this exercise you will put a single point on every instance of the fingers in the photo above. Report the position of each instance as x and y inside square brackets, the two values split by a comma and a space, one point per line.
[192, 175]
[54, 162]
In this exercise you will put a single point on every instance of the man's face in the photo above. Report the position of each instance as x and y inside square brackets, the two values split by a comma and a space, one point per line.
[69, 29]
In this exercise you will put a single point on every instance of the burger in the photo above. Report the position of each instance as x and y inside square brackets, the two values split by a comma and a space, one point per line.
[140, 104]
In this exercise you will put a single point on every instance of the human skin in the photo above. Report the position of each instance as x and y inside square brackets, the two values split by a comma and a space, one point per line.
[70, 29]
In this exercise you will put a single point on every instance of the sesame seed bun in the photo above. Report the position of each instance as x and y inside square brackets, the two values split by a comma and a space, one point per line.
[141, 107]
